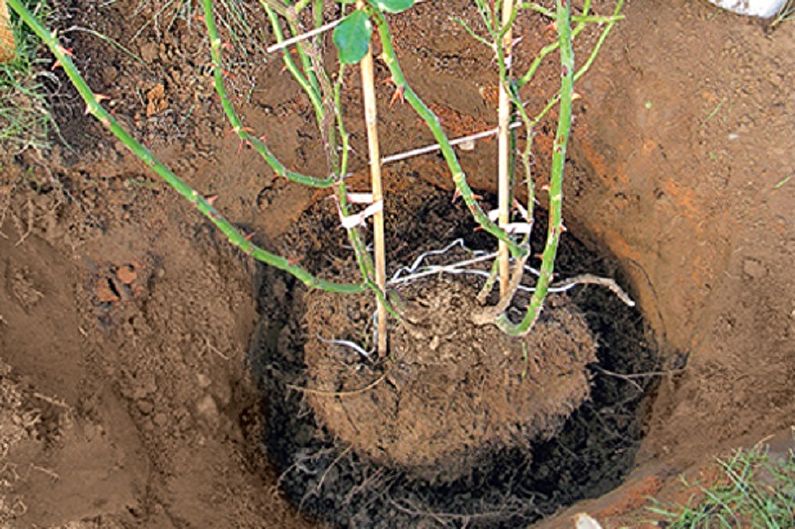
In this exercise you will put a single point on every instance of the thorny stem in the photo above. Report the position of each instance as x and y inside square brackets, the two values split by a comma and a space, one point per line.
[549, 48]
[555, 227]
[432, 121]
[234, 120]
[291, 15]
[327, 102]
[322, 112]
[588, 63]
[530, 123]
[302, 78]
[363, 260]
[314, 80]
[584, 17]
[309, 70]
[234, 236]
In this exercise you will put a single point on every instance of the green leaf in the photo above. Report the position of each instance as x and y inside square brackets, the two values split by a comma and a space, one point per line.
[394, 6]
[352, 37]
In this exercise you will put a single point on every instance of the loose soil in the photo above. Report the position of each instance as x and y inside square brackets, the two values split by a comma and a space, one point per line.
[450, 388]
[131, 397]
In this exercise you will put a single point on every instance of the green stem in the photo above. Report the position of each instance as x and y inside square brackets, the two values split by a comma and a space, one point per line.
[585, 67]
[556, 178]
[432, 121]
[234, 120]
[363, 258]
[327, 102]
[301, 5]
[549, 48]
[304, 78]
[487, 15]
[306, 64]
[584, 17]
[234, 236]
[472, 33]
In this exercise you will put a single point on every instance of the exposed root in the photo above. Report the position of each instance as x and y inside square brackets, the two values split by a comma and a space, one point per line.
[326, 393]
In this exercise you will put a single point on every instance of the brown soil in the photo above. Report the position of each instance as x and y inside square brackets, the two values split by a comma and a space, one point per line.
[499, 484]
[126, 396]
[450, 389]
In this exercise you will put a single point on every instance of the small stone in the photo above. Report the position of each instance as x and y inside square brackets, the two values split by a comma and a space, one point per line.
[207, 408]
[754, 268]
[109, 75]
[156, 100]
[145, 406]
[148, 383]
[149, 51]
[104, 293]
[143, 385]
[223, 393]
[203, 380]
[126, 274]
[160, 419]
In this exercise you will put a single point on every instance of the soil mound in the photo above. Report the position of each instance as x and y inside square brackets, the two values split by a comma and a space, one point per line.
[450, 389]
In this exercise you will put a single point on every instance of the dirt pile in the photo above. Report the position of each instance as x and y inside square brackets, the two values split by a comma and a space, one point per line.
[450, 388]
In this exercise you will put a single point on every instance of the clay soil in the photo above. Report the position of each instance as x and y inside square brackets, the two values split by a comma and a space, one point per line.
[127, 393]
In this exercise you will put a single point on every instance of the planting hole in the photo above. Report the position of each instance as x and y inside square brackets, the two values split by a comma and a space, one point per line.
[461, 426]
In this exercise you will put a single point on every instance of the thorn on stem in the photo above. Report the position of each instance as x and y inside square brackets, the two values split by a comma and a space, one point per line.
[65, 51]
[211, 199]
[397, 96]
[91, 107]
